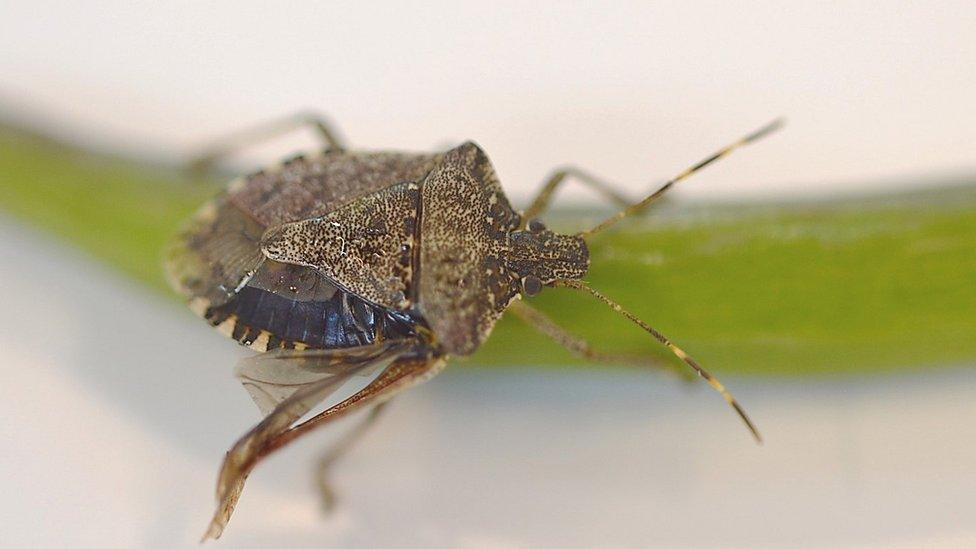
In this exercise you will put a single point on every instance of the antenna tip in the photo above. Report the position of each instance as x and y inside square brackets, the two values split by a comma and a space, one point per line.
[757, 436]
[766, 130]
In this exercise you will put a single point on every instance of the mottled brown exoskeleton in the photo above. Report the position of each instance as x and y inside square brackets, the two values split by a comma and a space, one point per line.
[344, 263]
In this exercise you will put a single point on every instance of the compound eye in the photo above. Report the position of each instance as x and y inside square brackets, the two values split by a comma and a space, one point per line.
[531, 285]
[536, 226]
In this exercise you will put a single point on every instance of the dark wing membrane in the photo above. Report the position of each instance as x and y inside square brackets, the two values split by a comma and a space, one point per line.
[289, 306]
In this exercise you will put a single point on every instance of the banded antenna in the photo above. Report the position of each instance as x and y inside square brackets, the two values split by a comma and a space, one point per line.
[703, 373]
[643, 204]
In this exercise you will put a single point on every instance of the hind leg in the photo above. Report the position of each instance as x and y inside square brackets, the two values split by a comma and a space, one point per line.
[297, 392]
[339, 449]
[580, 347]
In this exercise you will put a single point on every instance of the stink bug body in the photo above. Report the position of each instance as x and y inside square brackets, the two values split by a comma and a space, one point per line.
[341, 263]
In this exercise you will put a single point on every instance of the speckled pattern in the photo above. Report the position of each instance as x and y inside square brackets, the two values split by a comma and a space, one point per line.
[219, 252]
[470, 267]
[312, 186]
[432, 236]
[366, 247]
[220, 249]
[416, 257]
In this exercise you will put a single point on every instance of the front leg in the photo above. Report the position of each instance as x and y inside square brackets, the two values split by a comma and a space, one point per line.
[541, 202]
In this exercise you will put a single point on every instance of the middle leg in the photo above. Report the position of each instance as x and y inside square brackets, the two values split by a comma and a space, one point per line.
[339, 449]
[581, 348]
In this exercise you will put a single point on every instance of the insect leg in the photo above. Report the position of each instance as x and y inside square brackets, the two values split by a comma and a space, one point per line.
[340, 448]
[580, 347]
[408, 367]
[286, 386]
[236, 141]
[541, 202]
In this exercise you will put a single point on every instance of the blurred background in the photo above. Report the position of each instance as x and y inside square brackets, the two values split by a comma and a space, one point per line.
[827, 274]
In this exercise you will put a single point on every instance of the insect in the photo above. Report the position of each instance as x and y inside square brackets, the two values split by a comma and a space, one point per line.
[344, 263]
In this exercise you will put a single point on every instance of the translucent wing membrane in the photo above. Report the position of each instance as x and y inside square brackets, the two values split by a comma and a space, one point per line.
[273, 377]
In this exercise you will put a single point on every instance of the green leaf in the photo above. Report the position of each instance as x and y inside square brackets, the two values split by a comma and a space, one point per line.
[869, 284]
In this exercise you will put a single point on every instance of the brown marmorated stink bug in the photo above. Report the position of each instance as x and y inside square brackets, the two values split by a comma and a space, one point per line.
[343, 263]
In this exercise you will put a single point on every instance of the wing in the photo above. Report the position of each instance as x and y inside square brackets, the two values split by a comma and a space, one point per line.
[210, 261]
[366, 247]
[291, 306]
[315, 185]
[220, 249]
[273, 377]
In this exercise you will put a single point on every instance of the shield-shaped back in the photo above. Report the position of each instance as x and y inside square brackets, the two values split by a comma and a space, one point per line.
[465, 221]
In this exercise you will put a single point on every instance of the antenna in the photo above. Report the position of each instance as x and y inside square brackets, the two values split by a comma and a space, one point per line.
[640, 206]
[712, 380]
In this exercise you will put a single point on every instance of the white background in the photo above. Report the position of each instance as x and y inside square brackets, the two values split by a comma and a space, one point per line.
[632, 90]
